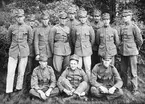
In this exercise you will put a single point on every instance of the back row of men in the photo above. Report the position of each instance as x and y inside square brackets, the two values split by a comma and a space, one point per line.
[89, 42]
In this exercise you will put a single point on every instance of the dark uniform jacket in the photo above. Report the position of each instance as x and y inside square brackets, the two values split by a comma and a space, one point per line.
[75, 77]
[43, 78]
[83, 39]
[41, 41]
[21, 39]
[59, 39]
[107, 77]
[131, 40]
[107, 39]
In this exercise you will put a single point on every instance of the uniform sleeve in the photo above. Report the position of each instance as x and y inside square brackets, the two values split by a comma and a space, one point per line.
[93, 79]
[34, 80]
[85, 78]
[53, 78]
[30, 36]
[51, 38]
[10, 34]
[118, 80]
[92, 34]
[138, 36]
[63, 75]
[36, 42]
[116, 37]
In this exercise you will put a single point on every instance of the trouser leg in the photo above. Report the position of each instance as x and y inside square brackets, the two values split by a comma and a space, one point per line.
[28, 73]
[96, 92]
[12, 63]
[80, 62]
[124, 68]
[133, 70]
[21, 71]
[65, 83]
[87, 64]
[33, 92]
[95, 58]
[57, 63]
[66, 61]
[117, 93]
[83, 87]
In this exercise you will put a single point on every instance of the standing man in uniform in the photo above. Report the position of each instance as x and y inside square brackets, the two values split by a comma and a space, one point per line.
[96, 24]
[41, 41]
[131, 41]
[107, 38]
[83, 40]
[73, 81]
[105, 80]
[72, 22]
[59, 38]
[21, 36]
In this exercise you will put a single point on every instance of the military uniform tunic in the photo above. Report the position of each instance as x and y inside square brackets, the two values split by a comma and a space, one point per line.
[21, 37]
[84, 38]
[107, 39]
[42, 43]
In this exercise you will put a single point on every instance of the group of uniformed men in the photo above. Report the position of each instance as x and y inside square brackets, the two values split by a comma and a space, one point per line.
[64, 50]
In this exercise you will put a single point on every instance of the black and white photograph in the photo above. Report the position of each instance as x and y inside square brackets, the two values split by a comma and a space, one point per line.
[72, 52]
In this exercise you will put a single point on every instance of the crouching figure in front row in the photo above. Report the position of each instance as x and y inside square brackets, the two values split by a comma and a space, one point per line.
[73, 81]
[105, 80]
[43, 81]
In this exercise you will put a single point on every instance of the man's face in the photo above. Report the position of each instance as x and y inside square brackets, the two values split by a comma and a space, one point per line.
[45, 22]
[83, 19]
[106, 22]
[126, 18]
[71, 16]
[73, 64]
[42, 64]
[20, 19]
[97, 18]
[106, 62]
[63, 21]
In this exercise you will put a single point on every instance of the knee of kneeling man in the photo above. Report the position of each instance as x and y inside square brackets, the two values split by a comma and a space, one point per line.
[121, 92]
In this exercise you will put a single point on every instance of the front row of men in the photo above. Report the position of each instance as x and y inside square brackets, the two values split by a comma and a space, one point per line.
[105, 80]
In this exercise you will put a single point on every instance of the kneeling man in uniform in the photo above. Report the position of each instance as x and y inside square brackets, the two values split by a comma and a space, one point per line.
[105, 80]
[43, 81]
[73, 81]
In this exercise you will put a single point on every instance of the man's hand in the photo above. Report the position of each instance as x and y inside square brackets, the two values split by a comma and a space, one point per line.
[42, 94]
[67, 92]
[47, 93]
[112, 90]
[37, 57]
[103, 89]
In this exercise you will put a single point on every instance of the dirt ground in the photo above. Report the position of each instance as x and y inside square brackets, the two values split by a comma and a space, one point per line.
[20, 98]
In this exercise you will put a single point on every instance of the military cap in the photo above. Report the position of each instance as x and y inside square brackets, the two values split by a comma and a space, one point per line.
[82, 13]
[97, 12]
[105, 57]
[127, 12]
[43, 58]
[106, 16]
[31, 17]
[19, 13]
[72, 10]
[74, 57]
[63, 15]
